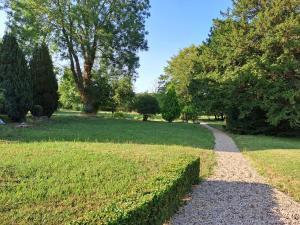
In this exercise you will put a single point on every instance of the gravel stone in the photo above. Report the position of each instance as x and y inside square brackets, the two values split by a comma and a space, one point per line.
[236, 194]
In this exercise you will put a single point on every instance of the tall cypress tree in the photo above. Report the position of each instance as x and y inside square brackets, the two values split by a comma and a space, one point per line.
[15, 79]
[44, 82]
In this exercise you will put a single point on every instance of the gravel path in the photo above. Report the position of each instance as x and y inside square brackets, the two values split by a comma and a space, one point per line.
[236, 194]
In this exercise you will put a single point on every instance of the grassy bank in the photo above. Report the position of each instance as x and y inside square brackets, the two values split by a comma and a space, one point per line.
[276, 158]
[96, 170]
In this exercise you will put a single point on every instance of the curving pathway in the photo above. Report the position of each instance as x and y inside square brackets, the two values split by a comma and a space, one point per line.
[236, 194]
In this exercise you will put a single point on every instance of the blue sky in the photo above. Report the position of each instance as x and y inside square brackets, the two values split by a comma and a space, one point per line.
[173, 25]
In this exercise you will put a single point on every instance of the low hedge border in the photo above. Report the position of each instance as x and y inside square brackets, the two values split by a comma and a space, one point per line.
[156, 208]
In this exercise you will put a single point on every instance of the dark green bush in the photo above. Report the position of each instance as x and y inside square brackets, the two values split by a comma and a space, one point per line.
[146, 105]
[155, 207]
[37, 111]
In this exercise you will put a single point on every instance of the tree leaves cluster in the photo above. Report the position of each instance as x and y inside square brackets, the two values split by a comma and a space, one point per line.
[170, 105]
[147, 105]
[15, 79]
[89, 34]
[44, 83]
[248, 68]
[26, 88]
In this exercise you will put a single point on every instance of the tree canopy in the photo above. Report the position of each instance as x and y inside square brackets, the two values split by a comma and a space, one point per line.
[248, 68]
[15, 79]
[44, 83]
[86, 33]
[146, 105]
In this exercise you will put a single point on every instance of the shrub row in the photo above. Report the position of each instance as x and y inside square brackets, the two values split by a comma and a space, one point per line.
[154, 207]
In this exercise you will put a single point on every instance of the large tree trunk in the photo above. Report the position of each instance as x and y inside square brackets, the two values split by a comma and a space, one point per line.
[88, 99]
[84, 85]
[88, 104]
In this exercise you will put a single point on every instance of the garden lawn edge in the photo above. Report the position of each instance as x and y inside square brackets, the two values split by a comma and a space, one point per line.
[155, 210]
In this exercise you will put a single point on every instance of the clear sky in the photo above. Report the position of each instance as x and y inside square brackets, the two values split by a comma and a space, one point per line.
[173, 25]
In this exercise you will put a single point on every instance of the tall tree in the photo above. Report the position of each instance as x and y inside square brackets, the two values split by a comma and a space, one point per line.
[86, 30]
[16, 80]
[181, 69]
[44, 83]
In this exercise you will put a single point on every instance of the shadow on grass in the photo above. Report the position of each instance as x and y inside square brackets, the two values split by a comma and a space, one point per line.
[259, 142]
[219, 202]
[70, 126]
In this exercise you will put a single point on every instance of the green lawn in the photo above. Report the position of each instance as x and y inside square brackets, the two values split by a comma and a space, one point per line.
[95, 169]
[276, 158]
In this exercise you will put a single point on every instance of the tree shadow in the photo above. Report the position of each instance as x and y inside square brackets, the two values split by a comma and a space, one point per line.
[218, 202]
[261, 142]
[70, 128]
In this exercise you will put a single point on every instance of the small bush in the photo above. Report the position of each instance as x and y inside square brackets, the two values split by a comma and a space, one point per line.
[146, 105]
[37, 111]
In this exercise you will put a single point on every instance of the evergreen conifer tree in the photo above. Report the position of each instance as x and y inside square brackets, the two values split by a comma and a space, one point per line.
[44, 83]
[15, 79]
[170, 108]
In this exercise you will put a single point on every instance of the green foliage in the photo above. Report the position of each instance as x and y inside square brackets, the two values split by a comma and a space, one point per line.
[156, 208]
[123, 94]
[181, 70]
[207, 96]
[100, 91]
[170, 108]
[119, 115]
[2, 101]
[84, 32]
[248, 69]
[15, 78]
[37, 111]
[44, 83]
[139, 173]
[146, 105]
[189, 112]
[69, 97]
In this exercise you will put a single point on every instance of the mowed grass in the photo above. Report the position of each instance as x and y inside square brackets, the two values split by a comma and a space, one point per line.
[76, 168]
[276, 158]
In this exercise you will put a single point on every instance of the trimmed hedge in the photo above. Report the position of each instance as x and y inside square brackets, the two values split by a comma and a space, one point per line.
[154, 207]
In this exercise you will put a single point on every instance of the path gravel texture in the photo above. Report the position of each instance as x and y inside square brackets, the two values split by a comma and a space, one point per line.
[236, 194]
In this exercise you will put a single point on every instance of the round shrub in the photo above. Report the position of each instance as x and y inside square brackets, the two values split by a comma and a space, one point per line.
[146, 105]
[37, 111]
